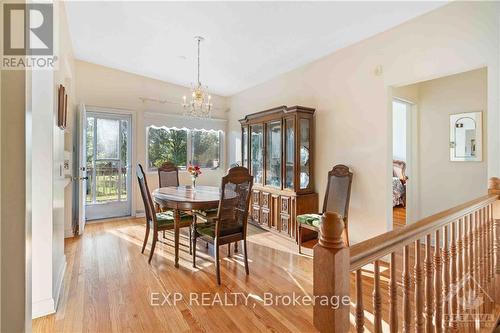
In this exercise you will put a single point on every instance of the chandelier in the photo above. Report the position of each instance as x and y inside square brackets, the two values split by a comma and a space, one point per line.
[199, 105]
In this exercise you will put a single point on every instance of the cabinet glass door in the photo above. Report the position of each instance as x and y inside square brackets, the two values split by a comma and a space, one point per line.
[289, 152]
[256, 151]
[304, 151]
[244, 146]
[273, 154]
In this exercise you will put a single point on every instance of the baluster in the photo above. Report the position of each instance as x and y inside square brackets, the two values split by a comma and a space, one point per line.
[472, 262]
[477, 253]
[453, 268]
[460, 268]
[466, 271]
[491, 233]
[428, 285]
[484, 264]
[360, 313]
[437, 282]
[446, 280]
[419, 306]
[393, 296]
[406, 290]
[377, 299]
[488, 255]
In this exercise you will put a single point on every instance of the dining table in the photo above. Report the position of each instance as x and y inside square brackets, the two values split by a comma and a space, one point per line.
[185, 198]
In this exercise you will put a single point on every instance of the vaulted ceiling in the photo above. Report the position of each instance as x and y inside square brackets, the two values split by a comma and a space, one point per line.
[246, 42]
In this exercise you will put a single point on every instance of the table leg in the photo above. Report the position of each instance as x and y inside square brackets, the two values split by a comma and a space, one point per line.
[177, 221]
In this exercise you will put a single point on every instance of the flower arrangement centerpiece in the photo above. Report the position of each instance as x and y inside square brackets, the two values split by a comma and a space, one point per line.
[194, 171]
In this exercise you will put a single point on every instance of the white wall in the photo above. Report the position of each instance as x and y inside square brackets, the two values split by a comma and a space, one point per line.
[109, 89]
[442, 183]
[353, 103]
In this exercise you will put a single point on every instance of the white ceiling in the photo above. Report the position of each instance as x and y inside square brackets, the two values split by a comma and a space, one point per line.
[246, 42]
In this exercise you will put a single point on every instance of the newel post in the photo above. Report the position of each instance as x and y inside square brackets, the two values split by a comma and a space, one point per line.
[331, 277]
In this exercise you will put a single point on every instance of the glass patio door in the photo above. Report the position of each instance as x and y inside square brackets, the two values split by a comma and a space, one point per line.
[108, 165]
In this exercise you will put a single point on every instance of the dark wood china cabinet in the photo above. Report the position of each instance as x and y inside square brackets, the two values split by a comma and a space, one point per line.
[277, 147]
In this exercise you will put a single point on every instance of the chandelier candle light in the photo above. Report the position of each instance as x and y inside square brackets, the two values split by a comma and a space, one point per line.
[200, 104]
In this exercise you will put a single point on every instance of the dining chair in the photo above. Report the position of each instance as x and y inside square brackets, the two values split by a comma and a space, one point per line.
[230, 224]
[157, 221]
[168, 175]
[337, 196]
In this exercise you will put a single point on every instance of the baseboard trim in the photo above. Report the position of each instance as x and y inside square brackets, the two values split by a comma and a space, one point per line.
[59, 283]
[42, 308]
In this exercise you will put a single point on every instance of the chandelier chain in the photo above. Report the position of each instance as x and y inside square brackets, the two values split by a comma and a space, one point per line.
[200, 105]
[199, 40]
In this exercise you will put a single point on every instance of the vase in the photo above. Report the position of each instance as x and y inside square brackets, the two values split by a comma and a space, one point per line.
[193, 180]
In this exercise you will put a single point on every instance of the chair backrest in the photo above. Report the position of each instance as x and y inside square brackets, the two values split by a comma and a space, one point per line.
[233, 205]
[168, 175]
[146, 195]
[338, 191]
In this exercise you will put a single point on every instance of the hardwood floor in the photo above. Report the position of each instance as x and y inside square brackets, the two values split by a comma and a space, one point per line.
[399, 216]
[109, 286]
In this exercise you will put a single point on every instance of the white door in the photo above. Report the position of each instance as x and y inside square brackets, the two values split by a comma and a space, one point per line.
[82, 170]
[108, 165]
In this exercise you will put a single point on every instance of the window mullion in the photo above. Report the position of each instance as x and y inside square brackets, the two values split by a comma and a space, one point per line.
[189, 146]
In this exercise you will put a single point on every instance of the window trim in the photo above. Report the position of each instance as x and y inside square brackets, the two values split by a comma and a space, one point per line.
[189, 146]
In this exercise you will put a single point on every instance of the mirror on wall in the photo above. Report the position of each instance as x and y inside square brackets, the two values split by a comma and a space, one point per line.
[466, 136]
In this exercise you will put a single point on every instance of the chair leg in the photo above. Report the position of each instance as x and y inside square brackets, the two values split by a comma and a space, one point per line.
[229, 249]
[300, 239]
[194, 249]
[145, 238]
[190, 247]
[246, 255]
[206, 245]
[236, 247]
[217, 263]
[164, 234]
[155, 237]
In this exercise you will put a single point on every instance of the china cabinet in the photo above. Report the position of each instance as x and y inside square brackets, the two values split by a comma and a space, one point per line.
[277, 147]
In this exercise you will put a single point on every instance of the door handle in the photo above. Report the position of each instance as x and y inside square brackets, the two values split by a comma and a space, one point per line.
[81, 178]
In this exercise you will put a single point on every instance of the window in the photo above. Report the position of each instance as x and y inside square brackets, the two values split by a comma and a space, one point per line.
[183, 146]
[205, 149]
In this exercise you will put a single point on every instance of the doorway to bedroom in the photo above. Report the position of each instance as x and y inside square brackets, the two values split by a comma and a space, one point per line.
[401, 152]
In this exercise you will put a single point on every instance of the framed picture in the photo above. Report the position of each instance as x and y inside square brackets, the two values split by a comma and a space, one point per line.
[62, 107]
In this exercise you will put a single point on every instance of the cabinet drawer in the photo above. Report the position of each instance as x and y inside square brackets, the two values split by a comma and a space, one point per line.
[264, 217]
[285, 205]
[256, 214]
[265, 199]
[285, 223]
[256, 198]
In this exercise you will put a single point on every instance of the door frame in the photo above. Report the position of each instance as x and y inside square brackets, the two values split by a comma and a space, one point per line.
[132, 149]
[411, 158]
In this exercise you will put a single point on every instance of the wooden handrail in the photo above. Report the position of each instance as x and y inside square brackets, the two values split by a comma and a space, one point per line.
[380, 246]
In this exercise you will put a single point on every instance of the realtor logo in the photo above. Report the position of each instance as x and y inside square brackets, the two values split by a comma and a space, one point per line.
[28, 29]
[28, 36]
[470, 297]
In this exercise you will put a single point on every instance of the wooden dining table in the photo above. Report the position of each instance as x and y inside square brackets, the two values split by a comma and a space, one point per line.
[185, 198]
